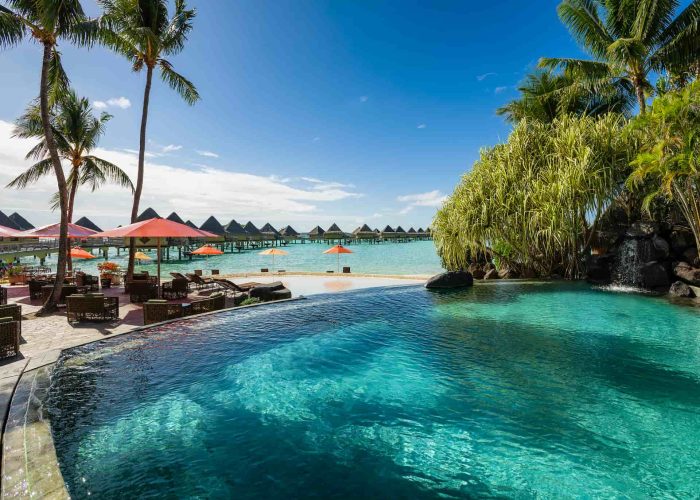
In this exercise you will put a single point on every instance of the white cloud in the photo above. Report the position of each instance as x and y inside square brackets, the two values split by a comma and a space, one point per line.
[483, 77]
[421, 126]
[114, 102]
[208, 154]
[195, 193]
[364, 98]
[171, 147]
[500, 90]
[430, 199]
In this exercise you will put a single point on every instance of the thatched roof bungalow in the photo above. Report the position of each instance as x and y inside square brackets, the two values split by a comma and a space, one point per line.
[289, 232]
[364, 232]
[175, 218]
[213, 226]
[269, 232]
[85, 222]
[22, 223]
[388, 232]
[334, 233]
[147, 214]
[191, 224]
[6, 222]
[235, 231]
[400, 232]
[316, 233]
[252, 231]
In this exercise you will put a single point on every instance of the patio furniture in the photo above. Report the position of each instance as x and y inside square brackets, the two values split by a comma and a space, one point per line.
[214, 272]
[35, 288]
[92, 283]
[346, 270]
[175, 289]
[200, 282]
[3, 296]
[13, 311]
[155, 311]
[9, 337]
[215, 302]
[198, 272]
[65, 292]
[264, 270]
[142, 290]
[92, 307]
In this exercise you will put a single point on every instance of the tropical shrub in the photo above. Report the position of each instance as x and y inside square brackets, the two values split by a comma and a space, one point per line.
[668, 163]
[250, 301]
[534, 202]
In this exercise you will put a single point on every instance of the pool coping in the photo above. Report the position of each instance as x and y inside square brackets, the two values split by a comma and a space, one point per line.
[29, 466]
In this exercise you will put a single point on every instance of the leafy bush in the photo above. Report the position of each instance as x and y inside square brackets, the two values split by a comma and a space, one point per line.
[250, 301]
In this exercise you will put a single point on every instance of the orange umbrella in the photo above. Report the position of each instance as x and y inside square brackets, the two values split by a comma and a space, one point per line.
[338, 249]
[155, 228]
[79, 253]
[207, 250]
[273, 252]
[53, 231]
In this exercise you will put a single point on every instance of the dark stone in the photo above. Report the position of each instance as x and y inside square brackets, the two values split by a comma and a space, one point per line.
[660, 248]
[680, 289]
[690, 255]
[450, 279]
[492, 275]
[687, 273]
[642, 230]
[654, 276]
[680, 240]
[266, 292]
[599, 268]
[284, 293]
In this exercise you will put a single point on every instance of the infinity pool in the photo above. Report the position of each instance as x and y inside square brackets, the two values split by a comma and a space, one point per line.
[502, 390]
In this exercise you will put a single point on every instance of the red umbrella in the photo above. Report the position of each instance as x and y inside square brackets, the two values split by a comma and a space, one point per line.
[53, 231]
[8, 232]
[338, 249]
[155, 228]
[207, 250]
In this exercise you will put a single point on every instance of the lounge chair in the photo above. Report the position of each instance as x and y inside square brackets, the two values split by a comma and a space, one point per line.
[155, 311]
[9, 336]
[243, 287]
[13, 311]
[92, 307]
[175, 289]
[3, 296]
[141, 291]
[200, 282]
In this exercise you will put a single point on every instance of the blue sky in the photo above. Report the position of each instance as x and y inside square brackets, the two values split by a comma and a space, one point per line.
[319, 110]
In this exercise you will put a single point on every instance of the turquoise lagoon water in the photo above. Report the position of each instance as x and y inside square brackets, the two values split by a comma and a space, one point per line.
[503, 390]
[416, 257]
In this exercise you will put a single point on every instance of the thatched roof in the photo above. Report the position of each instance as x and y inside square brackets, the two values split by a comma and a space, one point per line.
[388, 229]
[85, 222]
[234, 228]
[288, 231]
[212, 225]
[420, 230]
[376, 230]
[191, 224]
[317, 231]
[411, 231]
[175, 218]
[399, 229]
[21, 222]
[334, 229]
[251, 229]
[5, 221]
[269, 229]
[147, 214]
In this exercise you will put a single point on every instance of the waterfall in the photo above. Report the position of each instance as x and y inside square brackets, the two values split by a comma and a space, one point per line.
[631, 255]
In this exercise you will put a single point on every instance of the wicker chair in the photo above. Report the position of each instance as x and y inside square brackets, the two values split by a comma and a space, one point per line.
[92, 283]
[155, 311]
[142, 290]
[92, 307]
[175, 289]
[13, 311]
[139, 277]
[9, 337]
[35, 291]
[216, 302]
[3, 296]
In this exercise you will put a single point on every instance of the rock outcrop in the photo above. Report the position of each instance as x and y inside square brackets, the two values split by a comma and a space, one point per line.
[680, 289]
[687, 273]
[451, 279]
[270, 292]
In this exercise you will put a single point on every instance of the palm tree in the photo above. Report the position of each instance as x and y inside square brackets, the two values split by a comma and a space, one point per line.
[47, 22]
[628, 40]
[141, 31]
[76, 132]
[546, 95]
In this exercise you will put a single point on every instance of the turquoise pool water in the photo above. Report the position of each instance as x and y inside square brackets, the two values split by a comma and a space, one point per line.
[502, 390]
[416, 257]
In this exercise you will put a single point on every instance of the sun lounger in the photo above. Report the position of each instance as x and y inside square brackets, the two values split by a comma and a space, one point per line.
[200, 282]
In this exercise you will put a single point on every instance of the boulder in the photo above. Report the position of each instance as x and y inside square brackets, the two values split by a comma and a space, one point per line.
[598, 268]
[492, 275]
[690, 255]
[450, 279]
[680, 289]
[680, 240]
[660, 248]
[266, 292]
[642, 230]
[654, 276]
[685, 272]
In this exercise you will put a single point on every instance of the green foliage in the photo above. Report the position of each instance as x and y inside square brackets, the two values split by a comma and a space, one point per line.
[535, 201]
[250, 301]
[668, 164]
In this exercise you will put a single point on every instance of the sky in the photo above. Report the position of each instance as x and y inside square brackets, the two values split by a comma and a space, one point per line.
[312, 112]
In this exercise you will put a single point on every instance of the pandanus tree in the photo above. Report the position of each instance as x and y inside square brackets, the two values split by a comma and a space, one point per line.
[47, 22]
[77, 133]
[629, 40]
[144, 33]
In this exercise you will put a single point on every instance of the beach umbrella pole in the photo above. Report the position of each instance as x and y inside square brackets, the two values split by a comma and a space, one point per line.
[158, 278]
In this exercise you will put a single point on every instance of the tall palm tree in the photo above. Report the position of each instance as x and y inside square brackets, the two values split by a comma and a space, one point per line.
[141, 31]
[629, 39]
[47, 22]
[546, 95]
[76, 132]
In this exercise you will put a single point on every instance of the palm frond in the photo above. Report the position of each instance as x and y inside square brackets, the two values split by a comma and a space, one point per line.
[110, 172]
[12, 29]
[179, 83]
[32, 174]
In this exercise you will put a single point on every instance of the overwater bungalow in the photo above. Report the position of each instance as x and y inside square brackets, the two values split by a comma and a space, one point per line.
[214, 226]
[289, 233]
[400, 233]
[269, 233]
[412, 233]
[235, 232]
[316, 233]
[253, 232]
[191, 224]
[85, 222]
[175, 218]
[5, 221]
[149, 213]
[334, 233]
[22, 223]
[364, 232]
[388, 233]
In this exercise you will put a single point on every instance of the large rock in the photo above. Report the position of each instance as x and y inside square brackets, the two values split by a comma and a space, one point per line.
[660, 248]
[690, 255]
[687, 273]
[492, 275]
[272, 291]
[680, 240]
[642, 230]
[680, 289]
[450, 279]
[599, 268]
[654, 276]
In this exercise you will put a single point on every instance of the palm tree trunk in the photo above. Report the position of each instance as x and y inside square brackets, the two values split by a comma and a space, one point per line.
[639, 90]
[139, 178]
[50, 304]
[71, 203]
